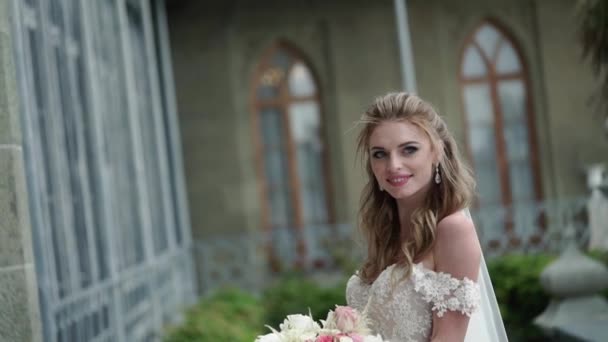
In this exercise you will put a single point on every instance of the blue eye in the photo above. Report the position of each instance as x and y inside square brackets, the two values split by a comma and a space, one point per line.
[410, 149]
[378, 154]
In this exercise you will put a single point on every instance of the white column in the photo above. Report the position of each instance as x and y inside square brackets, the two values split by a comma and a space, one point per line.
[597, 208]
[408, 74]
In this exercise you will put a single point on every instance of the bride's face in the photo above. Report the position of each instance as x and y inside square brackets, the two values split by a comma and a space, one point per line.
[402, 158]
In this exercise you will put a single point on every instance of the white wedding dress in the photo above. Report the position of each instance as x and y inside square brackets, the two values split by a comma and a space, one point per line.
[402, 309]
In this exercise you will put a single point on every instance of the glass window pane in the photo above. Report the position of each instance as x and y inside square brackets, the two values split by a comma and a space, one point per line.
[512, 100]
[516, 139]
[478, 104]
[271, 122]
[301, 82]
[267, 92]
[280, 207]
[507, 61]
[304, 120]
[520, 175]
[281, 60]
[488, 183]
[483, 142]
[487, 37]
[473, 65]
[55, 12]
[275, 167]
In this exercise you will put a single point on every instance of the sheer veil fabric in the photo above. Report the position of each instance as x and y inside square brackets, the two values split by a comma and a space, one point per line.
[486, 323]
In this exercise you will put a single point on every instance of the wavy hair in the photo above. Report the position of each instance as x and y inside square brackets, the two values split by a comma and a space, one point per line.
[378, 215]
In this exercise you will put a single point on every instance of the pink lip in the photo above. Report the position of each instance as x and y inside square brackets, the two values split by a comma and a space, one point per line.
[398, 180]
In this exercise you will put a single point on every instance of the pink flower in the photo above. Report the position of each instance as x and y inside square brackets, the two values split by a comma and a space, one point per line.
[356, 337]
[325, 338]
[346, 318]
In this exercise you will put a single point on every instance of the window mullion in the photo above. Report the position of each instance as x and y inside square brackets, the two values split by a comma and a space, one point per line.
[159, 136]
[135, 130]
[50, 41]
[174, 142]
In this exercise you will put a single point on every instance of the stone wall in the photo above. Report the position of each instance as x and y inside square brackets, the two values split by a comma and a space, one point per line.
[19, 308]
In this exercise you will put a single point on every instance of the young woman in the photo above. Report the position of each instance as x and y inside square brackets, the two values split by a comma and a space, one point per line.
[420, 279]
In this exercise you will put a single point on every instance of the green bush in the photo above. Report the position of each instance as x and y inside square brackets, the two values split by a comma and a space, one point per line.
[230, 315]
[516, 281]
[295, 294]
[233, 315]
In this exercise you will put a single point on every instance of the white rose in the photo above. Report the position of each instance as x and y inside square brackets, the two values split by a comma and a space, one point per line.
[330, 322]
[297, 336]
[299, 322]
[372, 338]
[345, 339]
[272, 337]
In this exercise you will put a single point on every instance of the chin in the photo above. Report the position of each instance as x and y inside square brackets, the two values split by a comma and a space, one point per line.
[402, 194]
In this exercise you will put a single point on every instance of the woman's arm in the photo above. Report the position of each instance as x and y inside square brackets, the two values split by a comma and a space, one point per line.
[457, 253]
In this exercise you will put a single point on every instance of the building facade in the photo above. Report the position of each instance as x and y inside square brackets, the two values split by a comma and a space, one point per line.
[275, 118]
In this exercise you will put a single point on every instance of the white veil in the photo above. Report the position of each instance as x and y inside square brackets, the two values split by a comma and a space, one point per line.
[486, 323]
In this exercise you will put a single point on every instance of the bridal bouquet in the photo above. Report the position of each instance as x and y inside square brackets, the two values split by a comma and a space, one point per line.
[345, 324]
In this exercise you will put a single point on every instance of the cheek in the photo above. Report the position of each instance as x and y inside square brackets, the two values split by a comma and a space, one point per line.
[377, 168]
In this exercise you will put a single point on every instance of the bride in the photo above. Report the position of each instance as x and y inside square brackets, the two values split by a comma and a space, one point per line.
[424, 278]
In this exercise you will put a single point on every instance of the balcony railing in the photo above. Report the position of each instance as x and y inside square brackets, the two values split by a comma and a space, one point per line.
[250, 260]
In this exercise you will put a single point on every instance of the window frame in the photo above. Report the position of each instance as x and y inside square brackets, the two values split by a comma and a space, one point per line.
[281, 103]
[492, 79]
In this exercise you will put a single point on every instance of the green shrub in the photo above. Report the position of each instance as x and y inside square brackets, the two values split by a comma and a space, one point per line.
[230, 315]
[516, 281]
[295, 294]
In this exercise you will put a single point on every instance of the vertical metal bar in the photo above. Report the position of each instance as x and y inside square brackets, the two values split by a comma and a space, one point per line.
[408, 72]
[134, 113]
[74, 51]
[93, 66]
[153, 71]
[174, 144]
[52, 38]
[173, 122]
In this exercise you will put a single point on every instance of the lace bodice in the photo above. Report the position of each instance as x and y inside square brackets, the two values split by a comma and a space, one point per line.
[401, 309]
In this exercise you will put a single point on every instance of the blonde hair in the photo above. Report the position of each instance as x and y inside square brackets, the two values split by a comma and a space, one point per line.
[378, 216]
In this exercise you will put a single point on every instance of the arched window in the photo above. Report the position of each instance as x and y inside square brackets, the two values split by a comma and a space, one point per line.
[291, 161]
[501, 134]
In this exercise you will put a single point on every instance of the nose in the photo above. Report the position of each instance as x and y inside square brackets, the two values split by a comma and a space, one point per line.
[394, 163]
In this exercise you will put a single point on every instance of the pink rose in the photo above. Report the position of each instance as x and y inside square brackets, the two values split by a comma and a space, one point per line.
[356, 337]
[347, 318]
[325, 338]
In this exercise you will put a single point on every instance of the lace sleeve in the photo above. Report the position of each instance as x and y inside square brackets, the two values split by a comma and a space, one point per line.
[446, 292]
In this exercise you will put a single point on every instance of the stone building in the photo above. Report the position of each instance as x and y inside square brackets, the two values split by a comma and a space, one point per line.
[119, 115]
[268, 92]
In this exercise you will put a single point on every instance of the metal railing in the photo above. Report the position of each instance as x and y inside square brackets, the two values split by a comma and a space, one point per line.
[247, 260]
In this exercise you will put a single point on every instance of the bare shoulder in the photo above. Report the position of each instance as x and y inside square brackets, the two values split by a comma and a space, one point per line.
[457, 249]
[456, 225]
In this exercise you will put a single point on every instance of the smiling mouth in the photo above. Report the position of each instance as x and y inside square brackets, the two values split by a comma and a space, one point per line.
[398, 181]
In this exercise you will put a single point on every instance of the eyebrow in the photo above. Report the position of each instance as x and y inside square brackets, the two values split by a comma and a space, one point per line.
[401, 145]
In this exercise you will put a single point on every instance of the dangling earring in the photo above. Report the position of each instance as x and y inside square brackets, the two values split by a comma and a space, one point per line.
[380, 187]
[437, 176]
